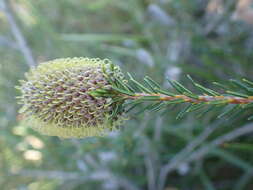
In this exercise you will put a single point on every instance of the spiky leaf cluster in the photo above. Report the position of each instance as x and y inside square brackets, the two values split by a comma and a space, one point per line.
[57, 97]
[235, 98]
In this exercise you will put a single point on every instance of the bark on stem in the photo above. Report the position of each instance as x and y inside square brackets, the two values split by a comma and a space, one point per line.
[198, 99]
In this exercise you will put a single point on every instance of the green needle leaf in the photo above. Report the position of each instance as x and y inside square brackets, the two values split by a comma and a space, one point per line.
[165, 92]
[248, 82]
[250, 118]
[123, 91]
[138, 85]
[181, 114]
[204, 89]
[155, 84]
[237, 94]
[231, 109]
[239, 84]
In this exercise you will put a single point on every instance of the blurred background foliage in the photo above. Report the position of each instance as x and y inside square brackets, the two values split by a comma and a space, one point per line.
[211, 40]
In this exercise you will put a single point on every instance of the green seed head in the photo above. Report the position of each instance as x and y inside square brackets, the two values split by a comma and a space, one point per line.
[57, 101]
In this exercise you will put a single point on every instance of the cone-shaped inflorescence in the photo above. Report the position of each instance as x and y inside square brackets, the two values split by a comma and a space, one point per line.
[57, 97]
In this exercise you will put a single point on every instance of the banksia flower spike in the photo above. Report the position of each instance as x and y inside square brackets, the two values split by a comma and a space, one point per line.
[57, 97]
[81, 97]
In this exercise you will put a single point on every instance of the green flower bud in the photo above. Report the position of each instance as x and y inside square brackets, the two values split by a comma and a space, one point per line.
[57, 97]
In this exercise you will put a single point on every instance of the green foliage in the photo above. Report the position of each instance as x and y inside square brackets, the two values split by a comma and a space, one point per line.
[150, 91]
[173, 37]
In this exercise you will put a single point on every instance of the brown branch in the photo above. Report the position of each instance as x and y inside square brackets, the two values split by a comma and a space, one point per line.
[198, 99]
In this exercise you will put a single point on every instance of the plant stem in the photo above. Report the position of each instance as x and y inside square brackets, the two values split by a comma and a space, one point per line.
[199, 99]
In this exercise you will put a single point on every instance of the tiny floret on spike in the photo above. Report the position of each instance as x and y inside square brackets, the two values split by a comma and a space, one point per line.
[57, 97]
